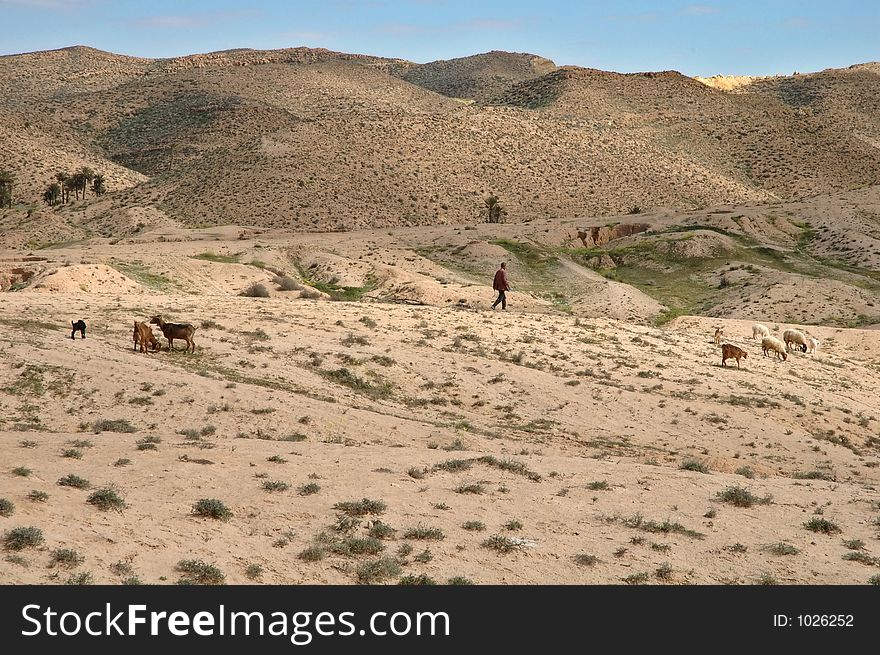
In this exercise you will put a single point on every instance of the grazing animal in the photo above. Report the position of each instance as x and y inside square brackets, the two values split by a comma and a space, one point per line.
[143, 336]
[814, 345]
[774, 344]
[795, 337]
[729, 351]
[78, 326]
[173, 331]
[759, 330]
[718, 333]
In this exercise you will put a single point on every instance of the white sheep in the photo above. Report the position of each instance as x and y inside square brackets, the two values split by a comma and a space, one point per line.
[813, 345]
[774, 344]
[796, 337]
[759, 330]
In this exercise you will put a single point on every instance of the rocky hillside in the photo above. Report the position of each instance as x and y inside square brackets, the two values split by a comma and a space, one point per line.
[478, 77]
[317, 140]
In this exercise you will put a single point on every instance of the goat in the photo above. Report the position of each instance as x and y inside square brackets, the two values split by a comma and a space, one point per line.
[718, 334]
[729, 351]
[173, 331]
[144, 337]
[79, 326]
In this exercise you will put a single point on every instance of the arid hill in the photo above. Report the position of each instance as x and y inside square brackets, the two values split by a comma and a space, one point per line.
[317, 140]
[478, 77]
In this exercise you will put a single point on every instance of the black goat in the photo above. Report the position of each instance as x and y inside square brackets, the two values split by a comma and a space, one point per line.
[80, 326]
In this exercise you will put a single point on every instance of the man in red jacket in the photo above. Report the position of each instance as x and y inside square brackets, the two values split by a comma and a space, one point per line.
[501, 285]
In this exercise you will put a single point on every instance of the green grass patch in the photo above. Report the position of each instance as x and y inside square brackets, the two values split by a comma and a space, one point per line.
[74, 481]
[741, 497]
[376, 387]
[666, 527]
[113, 425]
[822, 526]
[424, 533]
[106, 499]
[501, 543]
[378, 570]
[21, 538]
[694, 465]
[511, 466]
[309, 489]
[142, 275]
[212, 508]
[361, 507]
[219, 259]
[197, 572]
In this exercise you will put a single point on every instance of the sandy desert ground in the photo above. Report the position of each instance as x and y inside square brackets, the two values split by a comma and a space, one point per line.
[528, 446]
[354, 411]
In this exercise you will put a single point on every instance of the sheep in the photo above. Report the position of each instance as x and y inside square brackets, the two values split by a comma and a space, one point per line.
[774, 344]
[813, 345]
[173, 331]
[795, 337]
[718, 332]
[759, 330]
[78, 326]
[143, 336]
[729, 351]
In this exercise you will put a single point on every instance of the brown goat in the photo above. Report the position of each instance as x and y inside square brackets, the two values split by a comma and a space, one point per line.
[143, 336]
[719, 332]
[729, 351]
[173, 331]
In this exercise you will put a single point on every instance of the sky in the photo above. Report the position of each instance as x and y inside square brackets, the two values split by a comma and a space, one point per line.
[743, 37]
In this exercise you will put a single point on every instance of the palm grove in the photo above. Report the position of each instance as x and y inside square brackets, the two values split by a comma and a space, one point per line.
[58, 192]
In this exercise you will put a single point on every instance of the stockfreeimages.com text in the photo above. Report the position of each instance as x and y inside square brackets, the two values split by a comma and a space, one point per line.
[300, 627]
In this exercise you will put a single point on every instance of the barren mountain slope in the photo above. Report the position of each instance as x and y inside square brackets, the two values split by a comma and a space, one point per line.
[311, 139]
[478, 77]
[757, 138]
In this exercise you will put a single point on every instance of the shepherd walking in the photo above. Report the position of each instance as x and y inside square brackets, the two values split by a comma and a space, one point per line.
[501, 285]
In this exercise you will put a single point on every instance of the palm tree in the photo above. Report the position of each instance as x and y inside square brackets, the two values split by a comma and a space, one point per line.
[52, 194]
[98, 187]
[64, 180]
[7, 181]
[77, 182]
[495, 209]
[86, 176]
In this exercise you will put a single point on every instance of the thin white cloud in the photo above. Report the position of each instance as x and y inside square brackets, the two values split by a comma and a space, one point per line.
[491, 24]
[305, 36]
[182, 21]
[796, 23]
[401, 29]
[701, 10]
[643, 17]
[170, 22]
[471, 25]
[54, 5]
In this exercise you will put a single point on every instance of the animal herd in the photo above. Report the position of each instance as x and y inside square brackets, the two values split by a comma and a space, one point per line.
[792, 340]
[144, 338]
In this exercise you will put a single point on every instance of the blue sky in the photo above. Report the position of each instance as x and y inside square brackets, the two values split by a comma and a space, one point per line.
[696, 38]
